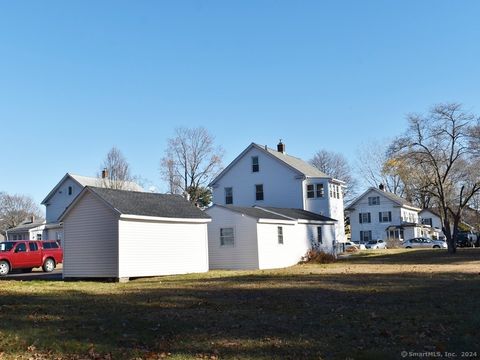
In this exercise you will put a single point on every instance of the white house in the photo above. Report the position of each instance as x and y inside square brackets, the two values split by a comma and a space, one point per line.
[261, 176]
[265, 237]
[63, 194]
[379, 214]
[31, 229]
[430, 218]
[121, 234]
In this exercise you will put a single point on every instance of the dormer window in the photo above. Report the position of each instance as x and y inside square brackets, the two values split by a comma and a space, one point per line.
[255, 165]
[315, 191]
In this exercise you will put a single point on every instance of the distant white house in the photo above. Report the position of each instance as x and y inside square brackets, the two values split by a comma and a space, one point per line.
[63, 194]
[122, 234]
[379, 214]
[265, 237]
[31, 229]
[431, 218]
[261, 176]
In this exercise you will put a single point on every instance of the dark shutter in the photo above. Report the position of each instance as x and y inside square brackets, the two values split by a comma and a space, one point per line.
[380, 216]
[360, 218]
[369, 218]
[390, 216]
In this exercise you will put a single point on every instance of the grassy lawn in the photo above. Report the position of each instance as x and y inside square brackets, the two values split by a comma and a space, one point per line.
[367, 306]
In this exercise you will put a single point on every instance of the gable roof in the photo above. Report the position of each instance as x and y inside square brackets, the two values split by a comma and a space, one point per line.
[27, 225]
[87, 181]
[298, 165]
[273, 213]
[391, 196]
[126, 202]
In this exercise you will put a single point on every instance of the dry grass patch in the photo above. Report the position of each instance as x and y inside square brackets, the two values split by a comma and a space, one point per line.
[368, 305]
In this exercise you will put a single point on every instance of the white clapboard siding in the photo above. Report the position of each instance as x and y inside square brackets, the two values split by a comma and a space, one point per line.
[61, 199]
[151, 248]
[244, 253]
[281, 185]
[274, 255]
[90, 240]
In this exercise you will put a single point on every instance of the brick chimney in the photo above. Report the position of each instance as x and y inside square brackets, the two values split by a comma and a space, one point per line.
[104, 173]
[281, 147]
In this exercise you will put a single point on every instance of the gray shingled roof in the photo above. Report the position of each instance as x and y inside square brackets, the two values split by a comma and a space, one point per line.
[395, 198]
[274, 213]
[298, 164]
[255, 212]
[27, 225]
[149, 204]
[98, 182]
[299, 214]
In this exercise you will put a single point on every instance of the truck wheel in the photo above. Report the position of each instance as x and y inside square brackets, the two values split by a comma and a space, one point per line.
[48, 265]
[4, 268]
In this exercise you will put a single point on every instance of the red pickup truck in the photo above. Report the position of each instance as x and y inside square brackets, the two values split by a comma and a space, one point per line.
[27, 255]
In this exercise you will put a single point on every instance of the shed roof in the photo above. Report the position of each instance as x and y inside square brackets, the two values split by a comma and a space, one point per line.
[146, 204]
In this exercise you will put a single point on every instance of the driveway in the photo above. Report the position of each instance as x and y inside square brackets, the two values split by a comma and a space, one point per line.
[36, 274]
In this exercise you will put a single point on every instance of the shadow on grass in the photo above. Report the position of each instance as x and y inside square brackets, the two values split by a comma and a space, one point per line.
[251, 316]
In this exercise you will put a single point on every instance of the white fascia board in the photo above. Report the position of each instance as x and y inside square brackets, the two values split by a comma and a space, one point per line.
[275, 221]
[316, 222]
[163, 219]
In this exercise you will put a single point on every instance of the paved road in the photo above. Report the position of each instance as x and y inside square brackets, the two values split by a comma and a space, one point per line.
[36, 274]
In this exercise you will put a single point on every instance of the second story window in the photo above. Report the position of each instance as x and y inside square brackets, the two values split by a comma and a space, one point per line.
[315, 191]
[374, 200]
[385, 216]
[228, 195]
[255, 165]
[259, 192]
[427, 221]
[364, 218]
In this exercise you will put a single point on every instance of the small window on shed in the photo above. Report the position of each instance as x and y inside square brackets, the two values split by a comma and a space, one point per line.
[280, 235]
[319, 235]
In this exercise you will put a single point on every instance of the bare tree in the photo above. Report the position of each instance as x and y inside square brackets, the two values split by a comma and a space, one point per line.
[14, 209]
[115, 171]
[191, 161]
[373, 166]
[336, 166]
[442, 145]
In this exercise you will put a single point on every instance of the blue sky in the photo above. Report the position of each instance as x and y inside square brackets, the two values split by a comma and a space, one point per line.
[77, 77]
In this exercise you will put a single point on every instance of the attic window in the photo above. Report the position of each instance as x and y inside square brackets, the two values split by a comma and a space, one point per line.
[374, 200]
[228, 196]
[255, 165]
[70, 190]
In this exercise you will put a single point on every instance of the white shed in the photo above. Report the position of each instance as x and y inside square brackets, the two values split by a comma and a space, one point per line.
[121, 234]
[265, 237]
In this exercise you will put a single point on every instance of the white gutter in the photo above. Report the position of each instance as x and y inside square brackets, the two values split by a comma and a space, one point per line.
[164, 219]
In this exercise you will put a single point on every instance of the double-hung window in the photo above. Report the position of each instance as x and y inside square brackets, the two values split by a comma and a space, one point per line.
[228, 195]
[227, 237]
[374, 200]
[319, 235]
[255, 164]
[259, 192]
[364, 218]
[280, 235]
[365, 235]
[385, 216]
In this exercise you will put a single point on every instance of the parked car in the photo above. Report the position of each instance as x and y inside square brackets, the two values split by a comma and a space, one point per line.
[422, 242]
[349, 245]
[359, 244]
[376, 244]
[27, 255]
